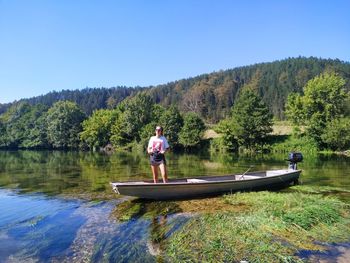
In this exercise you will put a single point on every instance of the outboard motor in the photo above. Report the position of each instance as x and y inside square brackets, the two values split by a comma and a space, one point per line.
[294, 158]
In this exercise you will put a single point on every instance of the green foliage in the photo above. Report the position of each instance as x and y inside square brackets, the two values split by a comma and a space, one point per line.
[97, 129]
[16, 120]
[210, 95]
[294, 142]
[251, 120]
[135, 114]
[325, 94]
[228, 141]
[337, 134]
[88, 99]
[264, 227]
[64, 120]
[23, 125]
[37, 135]
[324, 101]
[172, 122]
[146, 132]
[295, 109]
[192, 130]
[139, 116]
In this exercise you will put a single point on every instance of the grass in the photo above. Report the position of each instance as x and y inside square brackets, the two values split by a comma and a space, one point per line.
[271, 228]
[282, 128]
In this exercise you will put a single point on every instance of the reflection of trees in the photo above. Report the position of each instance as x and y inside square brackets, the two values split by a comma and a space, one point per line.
[101, 169]
[40, 171]
[187, 165]
[89, 174]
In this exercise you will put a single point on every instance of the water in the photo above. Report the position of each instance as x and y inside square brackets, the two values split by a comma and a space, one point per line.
[59, 207]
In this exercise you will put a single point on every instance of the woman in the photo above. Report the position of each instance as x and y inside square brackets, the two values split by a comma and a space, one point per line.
[157, 146]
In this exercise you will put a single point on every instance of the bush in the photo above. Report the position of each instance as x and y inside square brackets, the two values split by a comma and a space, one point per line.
[337, 134]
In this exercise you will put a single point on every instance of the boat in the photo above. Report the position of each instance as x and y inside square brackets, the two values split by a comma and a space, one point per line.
[203, 186]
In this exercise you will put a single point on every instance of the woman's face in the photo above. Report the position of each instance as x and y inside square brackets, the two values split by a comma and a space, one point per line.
[158, 132]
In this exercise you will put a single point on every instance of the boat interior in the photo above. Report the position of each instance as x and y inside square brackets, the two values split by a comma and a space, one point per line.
[203, 179]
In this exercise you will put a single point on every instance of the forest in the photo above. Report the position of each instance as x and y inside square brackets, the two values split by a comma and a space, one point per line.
[212, 95]
[241, 104]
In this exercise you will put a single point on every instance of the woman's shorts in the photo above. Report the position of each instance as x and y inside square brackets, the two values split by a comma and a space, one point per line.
[157, 159]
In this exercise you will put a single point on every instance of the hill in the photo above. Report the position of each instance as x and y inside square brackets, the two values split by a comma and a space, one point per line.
[210, 95]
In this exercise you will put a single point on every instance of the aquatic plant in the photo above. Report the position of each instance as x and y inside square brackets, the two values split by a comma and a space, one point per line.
[271, 228]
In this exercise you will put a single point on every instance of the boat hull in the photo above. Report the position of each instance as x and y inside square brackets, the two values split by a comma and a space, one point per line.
[207, 186]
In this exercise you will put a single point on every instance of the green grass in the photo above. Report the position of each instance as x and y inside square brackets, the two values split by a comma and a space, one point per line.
[272, 228]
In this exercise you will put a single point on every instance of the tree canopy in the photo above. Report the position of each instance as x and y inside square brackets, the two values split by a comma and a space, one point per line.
[64, 121]
[321, 107]
[251, 120]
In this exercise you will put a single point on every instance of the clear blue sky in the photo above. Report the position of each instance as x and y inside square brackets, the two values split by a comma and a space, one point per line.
[48, 45]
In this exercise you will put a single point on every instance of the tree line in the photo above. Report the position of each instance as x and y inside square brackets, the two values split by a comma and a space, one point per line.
[323, 110]
[65, 126]
[320, 115]
[212, 95]
[320, 111]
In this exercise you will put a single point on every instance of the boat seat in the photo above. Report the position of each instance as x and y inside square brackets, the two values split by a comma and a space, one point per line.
[194, 180]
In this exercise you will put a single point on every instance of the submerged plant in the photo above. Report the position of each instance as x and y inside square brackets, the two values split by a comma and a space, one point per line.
[272, 228]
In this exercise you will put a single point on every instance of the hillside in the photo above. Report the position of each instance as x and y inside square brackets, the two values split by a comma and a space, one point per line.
[211, 95]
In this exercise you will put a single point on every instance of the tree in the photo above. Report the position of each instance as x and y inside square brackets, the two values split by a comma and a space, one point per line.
[15, 124]
[172, 122]
[324, 100]
[227, 140]
[36, 137]
[325, 94]
[337, 134]
[135, 113]
[97, 129]
[23, 126]
[64, 121]
[251, 120]
[192, 130]
[3, 134]
[295, 109]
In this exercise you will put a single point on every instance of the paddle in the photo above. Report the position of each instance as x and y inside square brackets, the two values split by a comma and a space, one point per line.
[242, 176]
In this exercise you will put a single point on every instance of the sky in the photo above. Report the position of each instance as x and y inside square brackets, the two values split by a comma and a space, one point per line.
[48, 45]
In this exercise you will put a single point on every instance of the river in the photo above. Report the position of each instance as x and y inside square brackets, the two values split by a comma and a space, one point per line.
[57, 206]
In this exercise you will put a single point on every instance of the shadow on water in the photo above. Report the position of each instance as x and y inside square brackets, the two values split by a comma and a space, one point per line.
[145, 225]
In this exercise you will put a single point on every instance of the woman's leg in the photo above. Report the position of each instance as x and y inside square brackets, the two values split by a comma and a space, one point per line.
[155, 173]
[164, 172]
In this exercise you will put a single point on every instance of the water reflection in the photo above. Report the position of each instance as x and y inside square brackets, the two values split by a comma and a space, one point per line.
[80, 173]
[42, 215]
